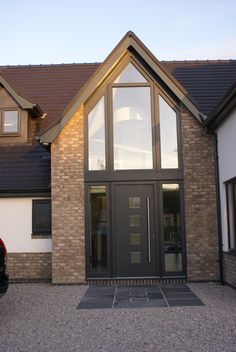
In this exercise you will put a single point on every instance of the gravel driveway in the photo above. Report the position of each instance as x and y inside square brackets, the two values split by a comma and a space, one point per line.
[42, 317]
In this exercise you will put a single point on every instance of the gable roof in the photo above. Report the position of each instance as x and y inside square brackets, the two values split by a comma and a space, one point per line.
[130, 42]
[53, 87]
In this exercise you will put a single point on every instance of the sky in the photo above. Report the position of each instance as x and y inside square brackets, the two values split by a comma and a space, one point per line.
[67, 31]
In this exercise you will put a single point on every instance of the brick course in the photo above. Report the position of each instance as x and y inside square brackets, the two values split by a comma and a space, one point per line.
[29, 266]
[199, 200]
[229, 264]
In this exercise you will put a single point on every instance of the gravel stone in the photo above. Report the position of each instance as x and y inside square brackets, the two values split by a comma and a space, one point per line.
[43, 317]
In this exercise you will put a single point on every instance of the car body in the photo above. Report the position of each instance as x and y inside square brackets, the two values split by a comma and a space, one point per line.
[4, 279]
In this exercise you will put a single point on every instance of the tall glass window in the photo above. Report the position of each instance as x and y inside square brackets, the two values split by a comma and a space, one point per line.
[132, 128]
[168, 135]
[98, 229]
[96, 137]
[172, 228]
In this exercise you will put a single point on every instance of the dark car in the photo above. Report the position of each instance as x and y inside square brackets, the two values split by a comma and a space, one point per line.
[3, 262]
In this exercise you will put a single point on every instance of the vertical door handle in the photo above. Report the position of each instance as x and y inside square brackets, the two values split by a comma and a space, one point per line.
[148, 229]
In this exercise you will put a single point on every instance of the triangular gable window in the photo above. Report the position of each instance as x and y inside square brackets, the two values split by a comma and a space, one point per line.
[130, 75]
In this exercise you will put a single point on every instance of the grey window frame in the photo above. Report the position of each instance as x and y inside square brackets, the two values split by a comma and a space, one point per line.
[229, 185]
[105, 89]
[35, 230]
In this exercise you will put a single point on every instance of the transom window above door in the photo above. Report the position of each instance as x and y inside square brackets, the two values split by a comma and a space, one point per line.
[132, 125]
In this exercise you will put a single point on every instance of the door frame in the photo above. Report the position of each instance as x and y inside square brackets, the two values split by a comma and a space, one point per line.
[158, 223]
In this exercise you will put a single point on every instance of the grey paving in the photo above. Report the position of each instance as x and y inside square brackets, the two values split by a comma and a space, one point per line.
[41, 317]
[143, 296]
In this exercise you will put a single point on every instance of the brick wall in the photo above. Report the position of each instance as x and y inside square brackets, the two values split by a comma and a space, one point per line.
[68, 233]
[29, 266]
[200, 201]
[229, 263]
[67, 163]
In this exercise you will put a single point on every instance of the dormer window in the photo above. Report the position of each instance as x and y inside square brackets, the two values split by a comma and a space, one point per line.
[10, 122]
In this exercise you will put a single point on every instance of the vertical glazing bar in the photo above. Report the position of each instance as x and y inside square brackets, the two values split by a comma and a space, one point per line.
[148, 229]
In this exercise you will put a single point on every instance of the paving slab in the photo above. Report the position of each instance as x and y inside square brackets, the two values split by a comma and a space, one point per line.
[138, 297]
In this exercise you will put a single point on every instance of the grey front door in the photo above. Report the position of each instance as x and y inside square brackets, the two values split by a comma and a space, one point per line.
[134, 227]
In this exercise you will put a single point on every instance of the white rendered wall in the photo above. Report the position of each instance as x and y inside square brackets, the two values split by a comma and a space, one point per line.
[227, 165]
[16, 226]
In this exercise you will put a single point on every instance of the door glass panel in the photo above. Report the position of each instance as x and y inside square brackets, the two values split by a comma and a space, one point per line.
[96, 137]
[135, 257]
[135, 239]
[168, 135]
[134, 220]
[130, 75]
[134, 202]
[132, 128]
[98, 229]
[172, 228]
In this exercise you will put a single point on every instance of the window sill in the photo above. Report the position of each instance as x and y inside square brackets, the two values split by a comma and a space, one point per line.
[37, 236]
[15, 134]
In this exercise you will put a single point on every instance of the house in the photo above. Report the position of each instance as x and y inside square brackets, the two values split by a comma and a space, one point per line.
[108, 171]
[222, 122]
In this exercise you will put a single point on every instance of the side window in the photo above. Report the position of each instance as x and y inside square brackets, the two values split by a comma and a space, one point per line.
[96, 137]
[41, 217]
[168, 135]
[231, 211]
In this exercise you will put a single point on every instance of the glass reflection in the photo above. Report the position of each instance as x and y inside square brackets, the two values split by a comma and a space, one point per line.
[168, 135]
[130, 75]
[96, 137]
[172, 228]
[132, 128]
[10, 121]
[98, 229]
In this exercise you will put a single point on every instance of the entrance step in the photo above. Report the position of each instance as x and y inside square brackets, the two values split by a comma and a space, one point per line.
[133, 282]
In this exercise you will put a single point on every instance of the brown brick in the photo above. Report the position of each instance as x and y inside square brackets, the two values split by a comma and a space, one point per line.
[27, 266]
[229, 264]
[67, 170]
[199, 200]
